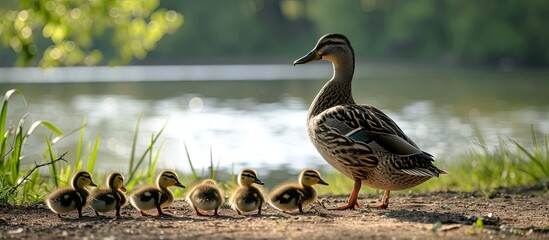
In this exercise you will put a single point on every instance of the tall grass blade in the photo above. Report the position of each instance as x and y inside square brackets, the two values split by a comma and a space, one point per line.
[480, 138]
[46, 124]
[144, 155]
[67, 133]
[93, 155]
[14, 161]
[531, 157]
[193, 171]
[80, 145]
[151, 143]
[546, 144]
[152, 166]
[4, 111]
[212, 170]
[233, 174]
[134, 145]
[53, 167]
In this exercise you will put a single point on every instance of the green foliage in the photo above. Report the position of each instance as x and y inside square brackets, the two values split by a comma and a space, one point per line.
[80, 32]
[134, 172]
[71, 30]
[36, 185]
[482, 32]
[193, 171]
[12, 142]
[472, 31]
[508, 164]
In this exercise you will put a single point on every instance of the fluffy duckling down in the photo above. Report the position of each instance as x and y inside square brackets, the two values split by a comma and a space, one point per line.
[291, 196]
[247, 197]
[110, 198]
[68, 199]
[205, 196]
[156, 197]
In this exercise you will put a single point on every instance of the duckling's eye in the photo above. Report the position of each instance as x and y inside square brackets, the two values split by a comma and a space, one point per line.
[329, 43]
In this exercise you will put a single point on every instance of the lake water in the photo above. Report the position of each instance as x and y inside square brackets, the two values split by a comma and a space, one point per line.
[260, 121]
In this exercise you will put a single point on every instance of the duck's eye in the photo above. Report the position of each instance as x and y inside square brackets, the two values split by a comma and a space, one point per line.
[329, 43]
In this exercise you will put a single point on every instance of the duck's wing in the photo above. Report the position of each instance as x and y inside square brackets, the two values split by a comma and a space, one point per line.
[288, 195]
[365, 132]
[104, 195]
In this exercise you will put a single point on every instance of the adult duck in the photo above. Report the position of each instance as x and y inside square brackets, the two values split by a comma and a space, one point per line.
[360, 140]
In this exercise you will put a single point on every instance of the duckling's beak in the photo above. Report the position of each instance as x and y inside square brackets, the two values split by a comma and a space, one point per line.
[178, 184]
[92, 184]
[123, 189]
[311, 56]
[322, 182]
[257, 181]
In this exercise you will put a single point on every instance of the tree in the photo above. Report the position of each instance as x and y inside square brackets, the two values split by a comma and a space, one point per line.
[53, 33]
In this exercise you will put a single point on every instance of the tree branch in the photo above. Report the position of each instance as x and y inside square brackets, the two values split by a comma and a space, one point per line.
[36, 167]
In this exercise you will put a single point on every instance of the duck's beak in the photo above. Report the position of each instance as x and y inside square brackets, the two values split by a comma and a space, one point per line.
[322, 182]
[311, 56]
[92, 184]
[257, 181]
[178, 184]
[123, 189]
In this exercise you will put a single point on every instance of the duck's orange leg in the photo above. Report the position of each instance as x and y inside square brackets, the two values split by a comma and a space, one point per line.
[384, 201]
[352, 203]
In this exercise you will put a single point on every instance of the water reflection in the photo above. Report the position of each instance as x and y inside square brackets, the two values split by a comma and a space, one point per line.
[261, 124]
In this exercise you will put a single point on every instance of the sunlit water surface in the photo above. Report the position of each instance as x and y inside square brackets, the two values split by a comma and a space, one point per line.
[261, 124]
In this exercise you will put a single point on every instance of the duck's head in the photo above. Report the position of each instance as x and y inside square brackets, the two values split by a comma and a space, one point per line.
[116, 181]
[334, 47]
[168, 179]
[309, 177]
[247, 177]
[82, 179]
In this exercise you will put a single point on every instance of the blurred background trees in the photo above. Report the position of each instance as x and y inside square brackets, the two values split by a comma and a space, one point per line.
[80, 32]
[488, 32]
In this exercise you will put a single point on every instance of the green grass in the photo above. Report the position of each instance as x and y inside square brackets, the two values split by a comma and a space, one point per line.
[482, 167]
[485, 168]
[141, 166]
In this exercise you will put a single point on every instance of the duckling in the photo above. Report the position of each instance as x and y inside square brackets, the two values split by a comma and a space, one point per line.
[150, 197]
[247, 197]
[205, 196]
[110, 198]
[296, 196]
[68, 199]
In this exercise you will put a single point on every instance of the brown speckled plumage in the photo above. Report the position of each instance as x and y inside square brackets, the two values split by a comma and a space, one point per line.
[360, 141]
[110, 198]
[75, 197]
[156, 197]
[247, 197]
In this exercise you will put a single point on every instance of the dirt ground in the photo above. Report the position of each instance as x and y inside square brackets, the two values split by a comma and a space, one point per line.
[508, 213]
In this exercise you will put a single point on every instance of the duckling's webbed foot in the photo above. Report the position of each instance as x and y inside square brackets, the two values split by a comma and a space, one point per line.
[80, 213]
[144, 214]
[160, 213]
[198, 213]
